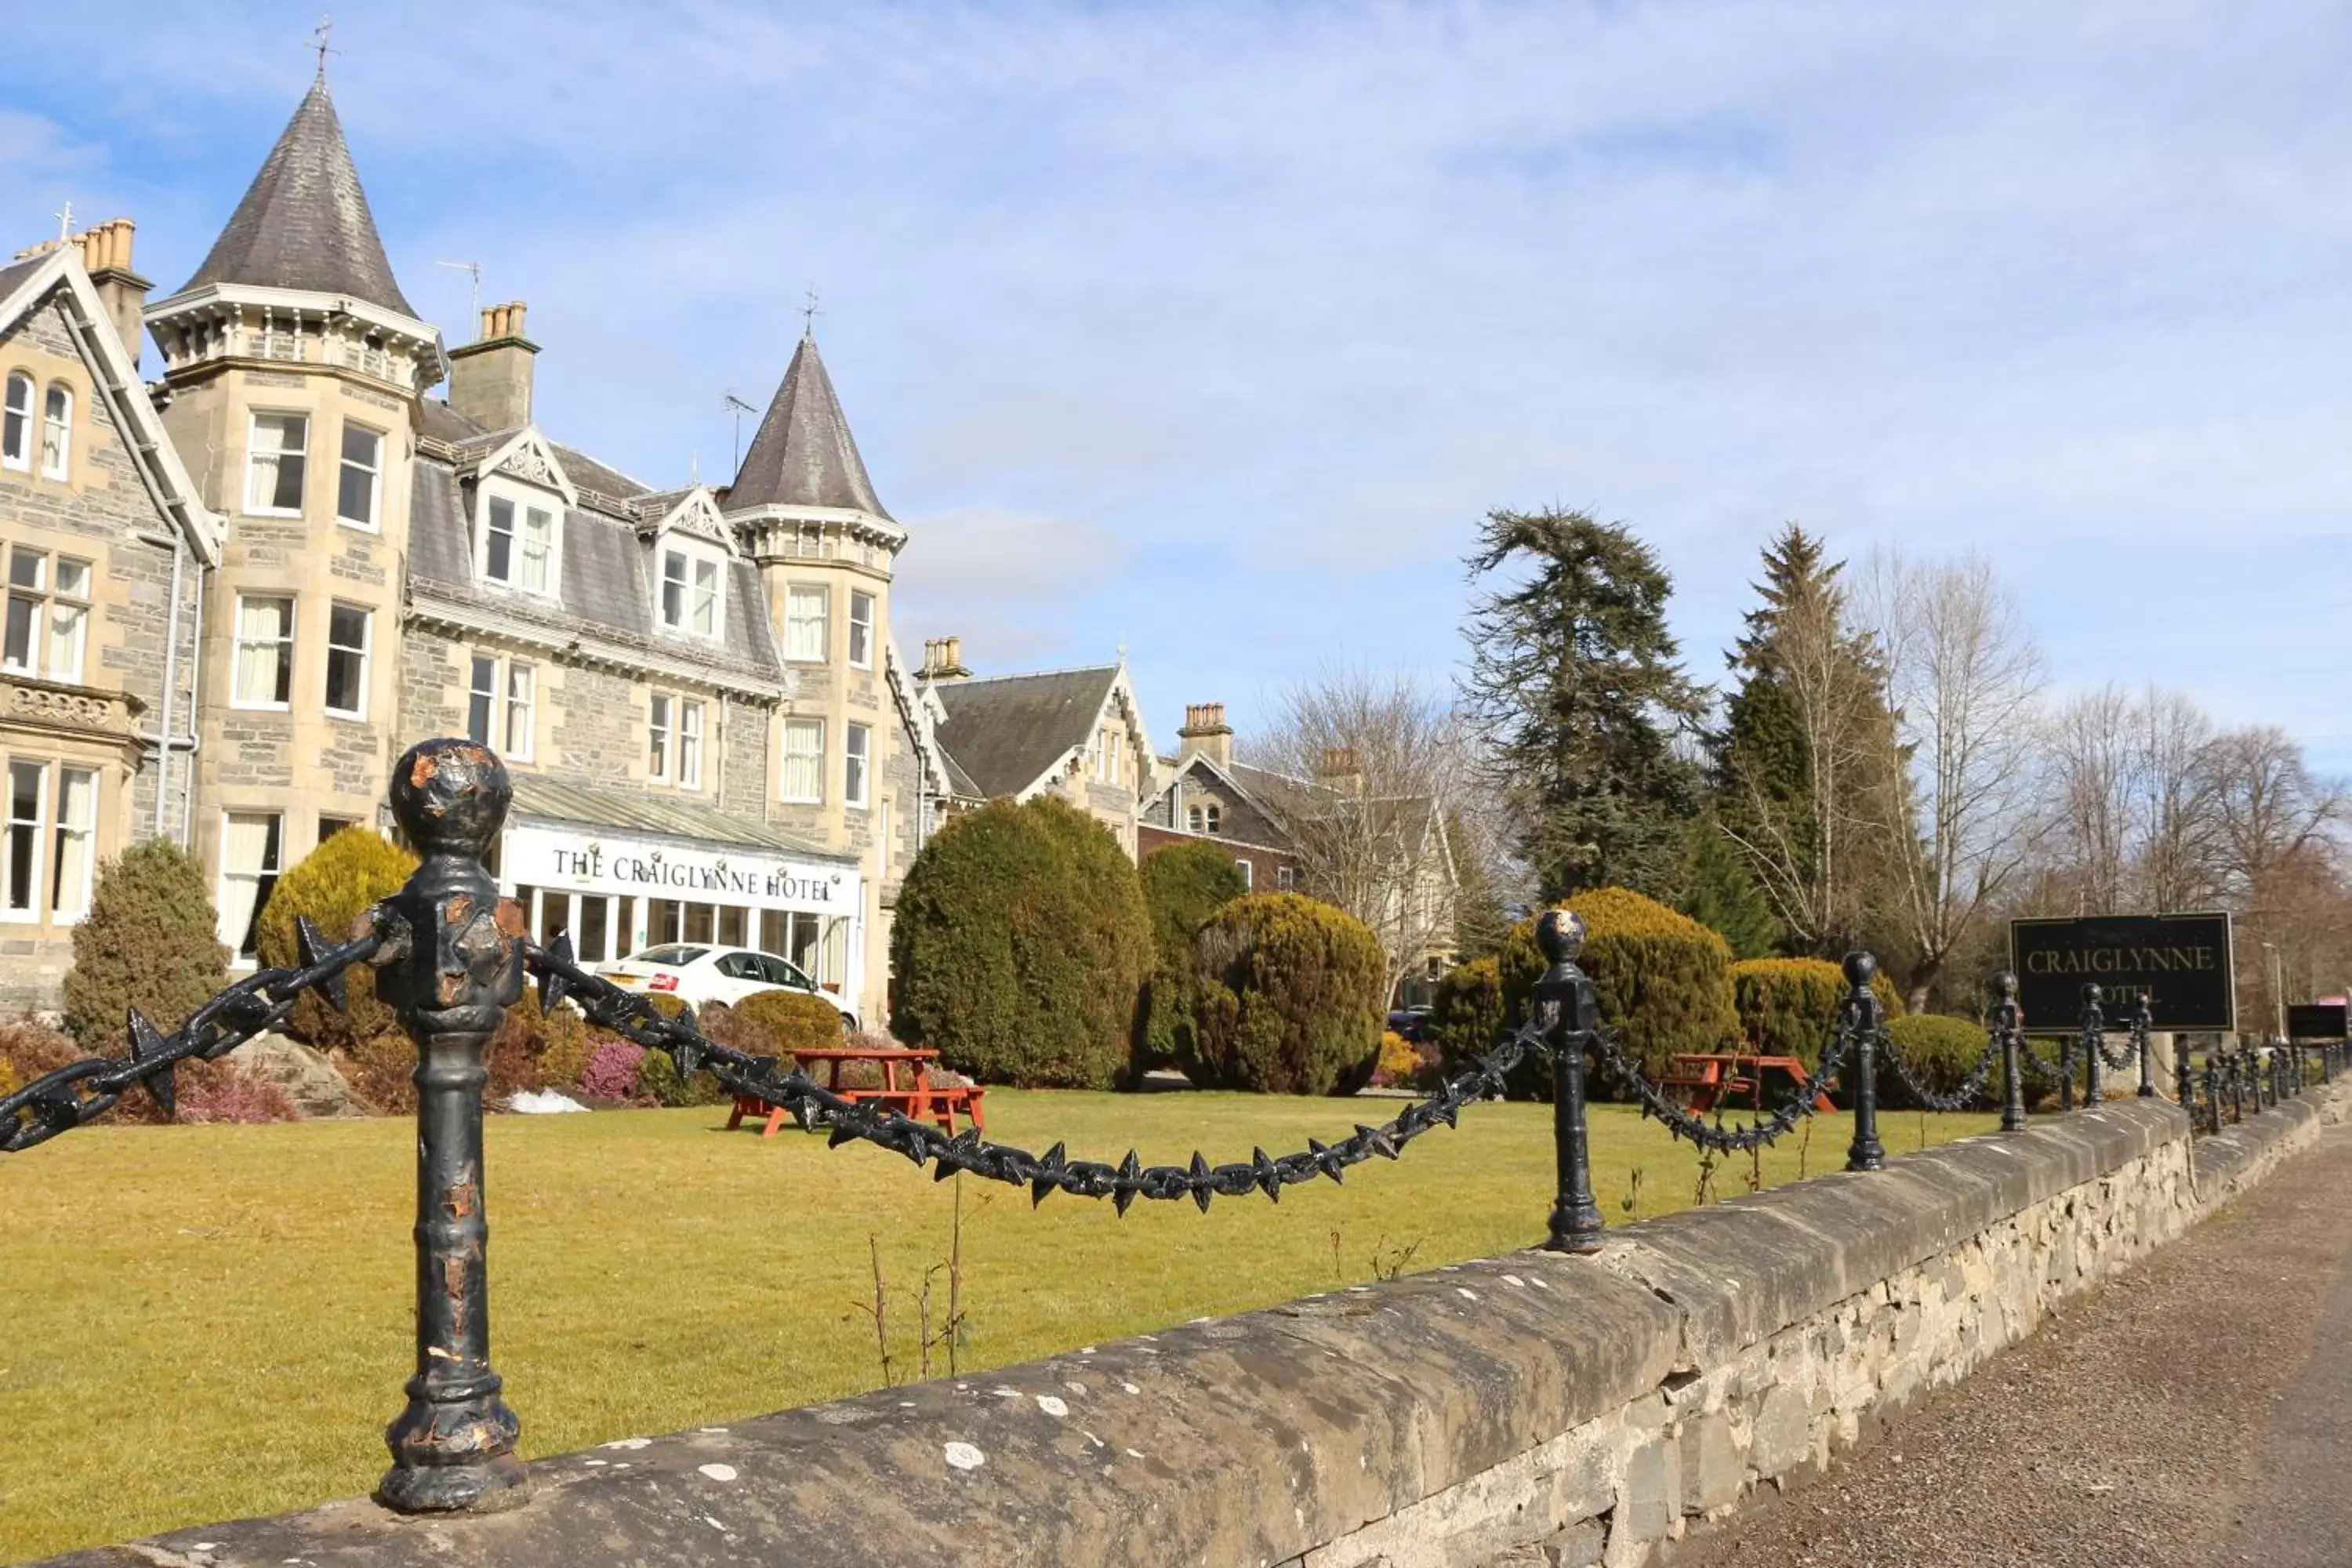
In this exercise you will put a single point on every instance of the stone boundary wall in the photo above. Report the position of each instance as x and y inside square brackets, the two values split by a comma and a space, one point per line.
[1524, 1410]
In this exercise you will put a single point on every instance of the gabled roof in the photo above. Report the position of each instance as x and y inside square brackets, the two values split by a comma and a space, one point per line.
[803, 454]
[1008, 733]
[304, 222]
[59, 274]
[654, 812]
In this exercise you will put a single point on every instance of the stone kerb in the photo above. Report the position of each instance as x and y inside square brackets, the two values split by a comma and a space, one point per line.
[1533, 1408]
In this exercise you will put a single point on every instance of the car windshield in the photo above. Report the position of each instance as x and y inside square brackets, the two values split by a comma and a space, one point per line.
[676, 956]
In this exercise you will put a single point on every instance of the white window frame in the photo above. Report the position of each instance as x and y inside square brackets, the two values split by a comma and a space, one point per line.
[521, 687]
[37, 885]
[689, 743]
[861, 629]
[366, 650]
[671, 556]
[252, 454]
[17, 410]
[857, 765]
[57, 461]
[481, 668]
[1249, 875]
[784, 774]
[796, 620]
[345, 464]
[69, 667]
[661, 737]
[285, 645]
[711, 606]
[526, 540]
[257, 874]
[523, 501]
[73, 842]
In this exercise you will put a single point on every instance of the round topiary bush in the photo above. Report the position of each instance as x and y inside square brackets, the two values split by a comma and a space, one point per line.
[1465, 1010]
[1183, 885]
[777, 1024]
[1661, 978]
[1289, 995]
[332, 885]
[147, 942]
[1940, 1051]
[1020, 945]
[1790, 1006]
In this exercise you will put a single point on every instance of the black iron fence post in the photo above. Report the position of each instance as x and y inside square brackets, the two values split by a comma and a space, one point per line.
[1866, 1153]
[452, 980]
[2095, 1028]
[2184, 1084]
[2237, 1086]
[2144, 1036]
[1574, 1015]
[2005, 1022]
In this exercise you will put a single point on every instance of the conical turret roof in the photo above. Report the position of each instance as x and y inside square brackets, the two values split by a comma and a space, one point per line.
[304, 222]
[804, 454]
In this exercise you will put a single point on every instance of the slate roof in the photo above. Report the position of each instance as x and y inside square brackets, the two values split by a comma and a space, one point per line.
[304, 222]
[13, 275]
[637, 810]
[1006, 732]
[604, 582]
[803, 454]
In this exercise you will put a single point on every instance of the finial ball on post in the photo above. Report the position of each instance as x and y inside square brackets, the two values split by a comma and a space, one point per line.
[451, 796]
[2092, 994]
[1861, 968]
[2005, 983]
[1560, 934]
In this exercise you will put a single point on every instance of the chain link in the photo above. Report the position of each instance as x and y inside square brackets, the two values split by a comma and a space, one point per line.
[1683, 1123]
[1971, 1087]
[80, 1092]
[634, 1018]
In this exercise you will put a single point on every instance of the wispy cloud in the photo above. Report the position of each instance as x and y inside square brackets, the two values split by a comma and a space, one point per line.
[1217, 328]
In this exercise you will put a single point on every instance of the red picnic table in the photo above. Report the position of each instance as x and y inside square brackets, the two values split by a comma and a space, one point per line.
[905, 1088]
[1710, 1076]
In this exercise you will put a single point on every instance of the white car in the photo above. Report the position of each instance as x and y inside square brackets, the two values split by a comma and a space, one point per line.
[699, 975]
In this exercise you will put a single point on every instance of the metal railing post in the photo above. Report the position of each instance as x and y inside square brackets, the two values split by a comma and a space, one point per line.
[1865, 1153]
[2005, 1021]
[2143, 1032]
[2095, 1028]
[2184, 1083]
[1573, 1015]
[452, 981]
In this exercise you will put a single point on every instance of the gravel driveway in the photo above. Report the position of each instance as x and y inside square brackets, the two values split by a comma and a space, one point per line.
[2196, 1411]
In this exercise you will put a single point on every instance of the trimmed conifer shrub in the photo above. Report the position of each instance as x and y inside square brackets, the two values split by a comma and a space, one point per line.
[1183, 885]
[775, 1024]
[147, 942]
[332, 885]
[1465, 1010]
[1021, 944]
[1789, 1007]
[1938, 1050]
[1289, 994]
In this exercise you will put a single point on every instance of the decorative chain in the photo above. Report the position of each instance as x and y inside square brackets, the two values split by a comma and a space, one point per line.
[2062, 1068]
[1684, 1123]
[1961, 1099]
[633, 1017]
[2122, 1058]
[80, 1092]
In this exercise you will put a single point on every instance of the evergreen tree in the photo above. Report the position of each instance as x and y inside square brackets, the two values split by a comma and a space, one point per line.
[1574, 681]
[1720, 892]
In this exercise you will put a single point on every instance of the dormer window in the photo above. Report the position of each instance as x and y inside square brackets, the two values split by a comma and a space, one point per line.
[691, 593]
[519, 544]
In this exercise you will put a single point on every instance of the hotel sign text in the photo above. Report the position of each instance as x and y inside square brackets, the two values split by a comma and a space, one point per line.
[2179, 965]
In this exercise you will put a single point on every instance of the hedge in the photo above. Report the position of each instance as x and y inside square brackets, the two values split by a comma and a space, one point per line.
[1661, 978]
[1940, 1051]
[1290, 992]
[1465, 1010]
[1183, 885]
[775, 1024]
[148, 942]
[333, 884]
[1021, 944]
[1789, 1007]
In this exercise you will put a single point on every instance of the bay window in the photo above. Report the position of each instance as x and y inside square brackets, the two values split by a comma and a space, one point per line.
[857, 743]
[359, 486]
[274, 464]
[861, 630]
[263, 676]
[807, 611]
[348, 631]
[804, 770]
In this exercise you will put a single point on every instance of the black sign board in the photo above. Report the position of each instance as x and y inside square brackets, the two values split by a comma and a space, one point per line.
[2325, 1022]
[2179, 964]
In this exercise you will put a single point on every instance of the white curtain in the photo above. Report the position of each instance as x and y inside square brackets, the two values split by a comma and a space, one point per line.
[245, 858]
[804, 759]
[263, 628]
[77, 821]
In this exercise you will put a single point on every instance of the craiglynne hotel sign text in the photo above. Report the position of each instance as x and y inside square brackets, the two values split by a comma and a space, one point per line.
[549, 856]
[2179, 965]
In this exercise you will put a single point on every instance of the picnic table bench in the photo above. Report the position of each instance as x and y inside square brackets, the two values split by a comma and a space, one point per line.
[905, 1088]
[1709, 1077]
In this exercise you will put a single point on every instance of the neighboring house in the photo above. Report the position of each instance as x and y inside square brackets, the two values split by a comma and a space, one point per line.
[696, 687]
[106, 545]
[1076, 734]
[1387, 861]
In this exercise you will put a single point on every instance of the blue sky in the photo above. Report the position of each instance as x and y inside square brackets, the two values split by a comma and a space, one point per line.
[1213, 329]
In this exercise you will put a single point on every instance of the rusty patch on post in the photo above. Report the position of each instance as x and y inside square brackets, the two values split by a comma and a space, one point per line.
[511, 918]
[462, 1198]
[459, 909]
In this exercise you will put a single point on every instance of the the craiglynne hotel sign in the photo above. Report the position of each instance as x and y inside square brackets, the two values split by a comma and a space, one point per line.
[612, 862]
[2179, 964]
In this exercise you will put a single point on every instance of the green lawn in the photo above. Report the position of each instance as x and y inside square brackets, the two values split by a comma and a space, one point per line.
[202, 1322]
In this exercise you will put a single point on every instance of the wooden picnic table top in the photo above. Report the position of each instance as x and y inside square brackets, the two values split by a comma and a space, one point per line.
[866, 1054]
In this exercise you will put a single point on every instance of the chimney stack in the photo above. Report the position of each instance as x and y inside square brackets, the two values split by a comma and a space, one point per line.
[106, 252]
[489, 379]
[943, 659]
[1338, 768]
[1206, 735]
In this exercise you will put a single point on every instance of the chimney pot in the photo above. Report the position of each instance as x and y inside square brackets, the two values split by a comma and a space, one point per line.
[1206, 735]
[105, 254]
[491, 378]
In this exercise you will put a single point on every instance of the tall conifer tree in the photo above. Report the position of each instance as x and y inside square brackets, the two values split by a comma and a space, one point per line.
[1573, 678]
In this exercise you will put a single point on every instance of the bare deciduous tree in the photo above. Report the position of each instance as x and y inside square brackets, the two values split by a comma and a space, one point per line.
[1963, 679]
[1366, 769]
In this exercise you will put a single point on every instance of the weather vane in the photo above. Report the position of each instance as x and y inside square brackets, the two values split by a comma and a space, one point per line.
[319, 36]
[809, 314]
[65, 221]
